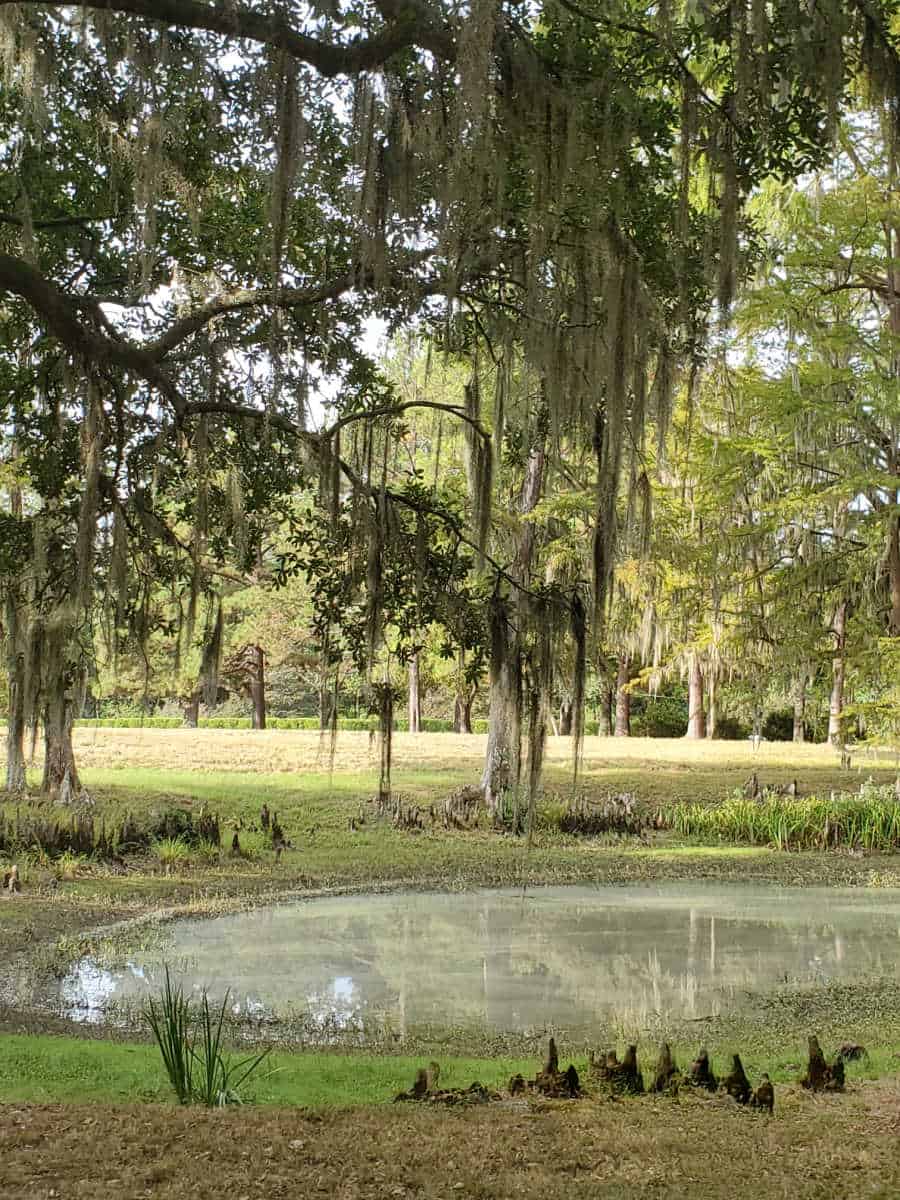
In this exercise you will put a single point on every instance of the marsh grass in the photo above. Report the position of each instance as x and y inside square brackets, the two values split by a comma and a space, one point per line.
[192, 1050]
[171, 852]
[867, 820]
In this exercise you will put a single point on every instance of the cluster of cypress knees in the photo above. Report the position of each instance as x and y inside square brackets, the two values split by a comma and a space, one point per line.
[625, 1078]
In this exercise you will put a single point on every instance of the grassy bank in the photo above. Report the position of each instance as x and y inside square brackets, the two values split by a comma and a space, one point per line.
[42, 1069]
[45, 1069]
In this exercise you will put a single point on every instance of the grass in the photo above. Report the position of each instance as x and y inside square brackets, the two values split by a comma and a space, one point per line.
[869, 820]
[296, 764]
[46, 1069]
[171, 852]
[42, 1069]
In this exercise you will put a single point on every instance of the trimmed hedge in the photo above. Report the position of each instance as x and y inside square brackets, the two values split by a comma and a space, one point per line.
[357, 724]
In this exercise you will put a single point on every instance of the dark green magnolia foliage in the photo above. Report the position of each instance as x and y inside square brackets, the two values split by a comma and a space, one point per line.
[424, 575]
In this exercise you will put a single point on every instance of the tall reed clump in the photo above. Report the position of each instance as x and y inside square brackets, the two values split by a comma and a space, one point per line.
[868, 820]
[191, 1046]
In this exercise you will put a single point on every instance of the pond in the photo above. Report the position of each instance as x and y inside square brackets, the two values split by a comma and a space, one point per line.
[513, 960]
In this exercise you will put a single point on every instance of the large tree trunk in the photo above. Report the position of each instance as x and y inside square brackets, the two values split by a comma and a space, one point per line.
[836, 704]
[623, 698]
[893, 565]
[605, 726]
[415, 700]
[15, 725]
[565, 718]
[257, 685]
[799, 697]
[60, 782]
[503, 759]
[192, 711]
[696, 720]
[713, 711]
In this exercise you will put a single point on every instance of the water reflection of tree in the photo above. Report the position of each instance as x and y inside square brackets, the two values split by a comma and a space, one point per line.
[511, 962]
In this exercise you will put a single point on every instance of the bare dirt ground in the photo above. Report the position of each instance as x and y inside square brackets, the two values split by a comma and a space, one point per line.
[834, 1146]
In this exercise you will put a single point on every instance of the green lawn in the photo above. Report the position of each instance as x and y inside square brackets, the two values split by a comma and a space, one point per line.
[42, 1069]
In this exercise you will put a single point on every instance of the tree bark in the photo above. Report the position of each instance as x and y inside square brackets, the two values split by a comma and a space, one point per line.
[623, 697]
[15, 726]
[60, 781]
[893, 565]
[696, 721]
[415, 700]
[836, 704]
[799, 690]
[257, 685]
[605, 726]
[192, 712]
[464, 698]
[462, 714]
[565, 718]
[325, 705]
[503, 759]
[712, 714]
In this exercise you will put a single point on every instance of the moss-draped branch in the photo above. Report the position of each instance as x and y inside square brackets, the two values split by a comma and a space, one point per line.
[407, 24]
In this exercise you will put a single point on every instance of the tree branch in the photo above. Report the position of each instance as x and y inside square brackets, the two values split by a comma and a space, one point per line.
[240, 301]
[61, 316]
[50, 222]
[409, 24]
[389, 410]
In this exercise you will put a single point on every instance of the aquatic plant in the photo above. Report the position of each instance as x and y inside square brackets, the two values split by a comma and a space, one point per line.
[68, 865]
[168, 1018]
[868, 820]
[171, 851]
[192, 1048]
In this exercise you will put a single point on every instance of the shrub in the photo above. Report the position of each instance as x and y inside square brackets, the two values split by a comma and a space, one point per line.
[779, 726]
[730, 729]
[659, 716]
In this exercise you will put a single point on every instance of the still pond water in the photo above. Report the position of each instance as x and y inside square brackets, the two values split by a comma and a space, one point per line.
[573, 957]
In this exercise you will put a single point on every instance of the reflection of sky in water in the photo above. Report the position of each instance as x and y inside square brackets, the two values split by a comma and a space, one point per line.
[573, 957]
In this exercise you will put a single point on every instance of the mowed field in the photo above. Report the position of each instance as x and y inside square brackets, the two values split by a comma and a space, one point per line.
[431, 765]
